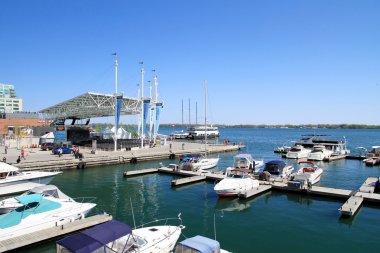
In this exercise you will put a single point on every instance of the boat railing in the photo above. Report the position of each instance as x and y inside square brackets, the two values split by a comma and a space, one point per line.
[164, 221]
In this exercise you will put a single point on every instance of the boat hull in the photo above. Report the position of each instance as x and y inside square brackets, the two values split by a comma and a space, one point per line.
[25, 183]
[230, 187]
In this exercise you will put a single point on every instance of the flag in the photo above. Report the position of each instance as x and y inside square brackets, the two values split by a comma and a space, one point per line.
[114, 54]
[141, 62]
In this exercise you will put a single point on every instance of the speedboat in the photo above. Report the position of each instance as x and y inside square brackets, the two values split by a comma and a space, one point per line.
[236, 181]
[179, 135]
[245, 161]
[115, 236]
[199, 244]
[197, 162]
[278, 169]
[40, 212]
[298, 152]
[319, 153]
[7, 205]
[308, 172]
[12, 180]
[373, 156]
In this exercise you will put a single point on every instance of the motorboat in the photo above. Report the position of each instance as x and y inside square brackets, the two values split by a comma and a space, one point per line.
[196, 162]
[236, 181]
[9, 204]
[40, 212]
[245, 161]
[373, 156]
[199, 244]
[319, 153]
[308, 172]
[202, 132]
[12, 180]
[298, 152]
[115, 236]
[278, 169]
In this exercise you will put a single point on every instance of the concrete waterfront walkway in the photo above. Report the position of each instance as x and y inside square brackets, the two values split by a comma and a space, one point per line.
[35, 155]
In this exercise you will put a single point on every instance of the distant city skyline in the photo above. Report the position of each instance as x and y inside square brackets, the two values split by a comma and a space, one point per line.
[266, 62]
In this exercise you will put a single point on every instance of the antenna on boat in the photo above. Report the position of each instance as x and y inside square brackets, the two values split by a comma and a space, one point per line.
[214, 228]
[206, 118]
[133, 214]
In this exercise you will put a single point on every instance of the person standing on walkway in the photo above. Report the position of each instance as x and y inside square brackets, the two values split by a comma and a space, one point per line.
[6, 149]
[23, 154]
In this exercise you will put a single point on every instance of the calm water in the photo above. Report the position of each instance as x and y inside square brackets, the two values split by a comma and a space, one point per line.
[272, 222]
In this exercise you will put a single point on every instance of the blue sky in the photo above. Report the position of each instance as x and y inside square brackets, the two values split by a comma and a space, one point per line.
[266, 62]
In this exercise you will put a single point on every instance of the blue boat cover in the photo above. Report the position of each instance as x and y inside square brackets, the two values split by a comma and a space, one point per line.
[276, 162]
[27, 199]
[202, 244]
[95, 237]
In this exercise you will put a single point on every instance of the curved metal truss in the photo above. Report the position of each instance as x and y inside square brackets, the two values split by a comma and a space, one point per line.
[91, 105]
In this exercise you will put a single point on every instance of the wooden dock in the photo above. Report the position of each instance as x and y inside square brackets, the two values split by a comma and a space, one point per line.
[187, 180]
[334, 158]
[369, 185]
[50, 233]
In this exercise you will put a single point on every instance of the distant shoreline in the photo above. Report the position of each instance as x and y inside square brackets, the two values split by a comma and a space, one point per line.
[307, 126]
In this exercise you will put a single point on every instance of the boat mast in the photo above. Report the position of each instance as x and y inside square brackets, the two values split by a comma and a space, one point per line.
[189, 114]
[142, 105]
[196, 113]
[182, 113]
[115, 133]
[205, 117]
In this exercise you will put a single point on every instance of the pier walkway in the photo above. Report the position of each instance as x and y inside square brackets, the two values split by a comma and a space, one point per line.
[37, 159]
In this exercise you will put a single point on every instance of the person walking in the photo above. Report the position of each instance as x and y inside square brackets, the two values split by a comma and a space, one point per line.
[22, 154]
[18, 159]
[6, 149]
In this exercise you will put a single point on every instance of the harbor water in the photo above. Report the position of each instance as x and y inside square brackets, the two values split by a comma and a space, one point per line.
[272, 222]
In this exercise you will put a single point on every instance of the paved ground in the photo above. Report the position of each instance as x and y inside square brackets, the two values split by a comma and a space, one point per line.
[35, 154]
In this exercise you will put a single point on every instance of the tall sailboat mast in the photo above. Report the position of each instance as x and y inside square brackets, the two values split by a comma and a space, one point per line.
[115, 133]
[205, 117]
[142, 105]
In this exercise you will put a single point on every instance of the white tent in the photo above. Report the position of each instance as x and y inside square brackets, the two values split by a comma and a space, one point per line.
[47, 138]
[121, 133]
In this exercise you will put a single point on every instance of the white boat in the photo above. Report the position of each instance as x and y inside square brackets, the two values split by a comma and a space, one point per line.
[117, 237]
[278, 169]
[199, 244]
[9, 204]
[40, 212]
[319, 153]
[298, 152]
[179, 135]
[12, 180]
[308, 172]
[236, 181]
[196, 162]
[245, 161]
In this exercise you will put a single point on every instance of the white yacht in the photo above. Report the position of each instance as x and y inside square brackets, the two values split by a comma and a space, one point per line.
[40, 212]
[319, 153]
[308, 172]
[199, 132]
[236, 181]
[12, 180]
[179, 135]
[298, 152]
[9, 204]
[199, 244]
[117, 237]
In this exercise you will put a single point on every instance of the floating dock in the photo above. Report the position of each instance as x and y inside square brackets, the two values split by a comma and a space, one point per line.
[50, 233]
[334, 158]
[354, 199]
[139, 172]
[187, 180]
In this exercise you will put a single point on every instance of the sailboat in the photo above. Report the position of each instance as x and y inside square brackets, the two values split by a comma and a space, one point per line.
[202, 162]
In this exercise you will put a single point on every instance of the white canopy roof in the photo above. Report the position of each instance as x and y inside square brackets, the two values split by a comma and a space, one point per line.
[48, 136]
[4, 167]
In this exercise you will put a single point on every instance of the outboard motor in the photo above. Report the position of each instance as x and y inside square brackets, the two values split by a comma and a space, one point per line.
[264, 176]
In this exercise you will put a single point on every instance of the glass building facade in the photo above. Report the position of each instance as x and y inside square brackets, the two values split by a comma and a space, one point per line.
[8, 101]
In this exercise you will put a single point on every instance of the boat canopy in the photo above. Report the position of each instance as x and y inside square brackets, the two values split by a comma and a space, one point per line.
[4, 167]
[275, 167]
[27, 199]
[49, 190]
[96, 237]
[201, 244]
[244, 156]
